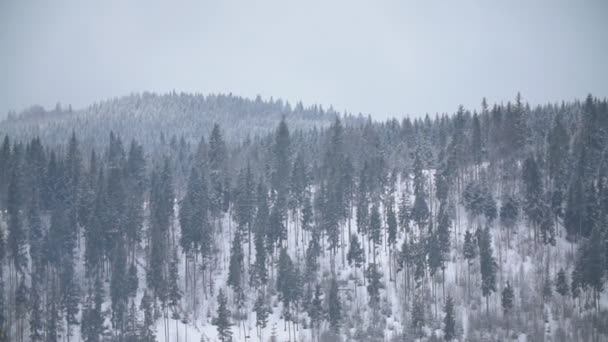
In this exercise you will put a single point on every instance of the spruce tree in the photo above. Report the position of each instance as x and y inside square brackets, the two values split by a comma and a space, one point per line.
[449, 322]
[261, 313]
[374, 284]
[222, 320]
[315, 310]
[487, 265]
[507, 301]
[375, 228]
[404, 212]
[561, 283]
[355, 252]
[418, 315]
[334, 309]
[391, 226]
[147, 333]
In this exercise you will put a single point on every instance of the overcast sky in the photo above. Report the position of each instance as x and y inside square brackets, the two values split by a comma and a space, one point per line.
[385, 58]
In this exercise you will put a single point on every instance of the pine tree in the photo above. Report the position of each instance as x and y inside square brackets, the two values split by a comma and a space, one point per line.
[470, 253]
[533, 191]
[147, 328]
[235, 270]
[476, 143]
[449, 328]
[487, 265]
[375, 228]
[374, 284]
[222, 320]
[92, 327]
[175, 294]
[217, 158]
[362, 213]
[286, 281]
[507, 301]
[391, 226]
[508, 214]
[17, 235]
[547, 288]
[334, 309]
[261, 313]
[590, 264]
[404, 213]
[561, 283]
[259, 272]
[36, 315]
[418, 315]
[355, 252]
[281, 152]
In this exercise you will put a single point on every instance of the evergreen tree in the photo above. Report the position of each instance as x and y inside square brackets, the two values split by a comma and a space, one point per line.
[375, 228]
[17, 235]
[217, 156]
[561, 283]
[507, 301]
[261, 312]
[355, 252]
[281, 151]
[391, 226]
[449, 328]
[236, 268]
[315, 310]
[374, 284]
[590, 264]
[487, 265]
[147, 333]
[222, 320]
[418, 315]
[509, 212]
[404, 212]
[92, 327]
[259, 272]
[470, 252]
[334, 309]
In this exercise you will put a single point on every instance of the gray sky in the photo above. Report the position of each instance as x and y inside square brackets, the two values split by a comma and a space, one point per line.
[386, 58]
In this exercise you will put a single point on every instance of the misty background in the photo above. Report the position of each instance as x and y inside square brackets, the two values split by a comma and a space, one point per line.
[385, 58]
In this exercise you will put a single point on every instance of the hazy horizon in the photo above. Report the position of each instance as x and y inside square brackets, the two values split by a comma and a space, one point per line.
[384, 58]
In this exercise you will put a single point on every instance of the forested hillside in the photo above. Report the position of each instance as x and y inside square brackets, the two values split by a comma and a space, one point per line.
[153, 118]
[192, 218]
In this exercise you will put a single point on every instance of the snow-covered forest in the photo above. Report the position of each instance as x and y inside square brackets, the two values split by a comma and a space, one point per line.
[185, 217]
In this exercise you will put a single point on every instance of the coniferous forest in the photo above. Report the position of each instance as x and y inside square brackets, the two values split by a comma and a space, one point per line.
[184, 217]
